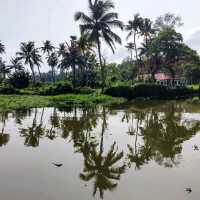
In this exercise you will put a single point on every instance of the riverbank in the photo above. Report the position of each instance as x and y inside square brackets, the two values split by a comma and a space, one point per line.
[9, 102]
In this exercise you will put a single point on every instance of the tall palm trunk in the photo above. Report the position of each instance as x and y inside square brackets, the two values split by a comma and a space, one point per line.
[74, 76]
[52, 74]
[101, 64]
[136, 52]
[39, 73]
[33, 74]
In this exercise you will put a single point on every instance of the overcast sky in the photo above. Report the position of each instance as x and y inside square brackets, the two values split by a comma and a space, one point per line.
[39, 20]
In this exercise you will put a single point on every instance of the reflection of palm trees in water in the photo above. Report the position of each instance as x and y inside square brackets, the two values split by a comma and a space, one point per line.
[102, 168]
[4, 137]
[55, 124]
[163, 134]
[136, 152]
[35, 132]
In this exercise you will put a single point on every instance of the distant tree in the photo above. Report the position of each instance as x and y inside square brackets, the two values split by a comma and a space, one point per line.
[4, 69]
[147, 29]
[47, 47]
[98, 25]
[86, 48]
[167, 50]
[72, 57]
[168, 20]
[61, 49]
[31, 57]
[16, 64]
[52, 61]
[2, 47]
[134, 28]
[130, 46]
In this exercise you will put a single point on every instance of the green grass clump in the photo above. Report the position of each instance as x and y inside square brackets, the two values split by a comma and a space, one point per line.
[85, 99]
[194, 100]
[10, 102]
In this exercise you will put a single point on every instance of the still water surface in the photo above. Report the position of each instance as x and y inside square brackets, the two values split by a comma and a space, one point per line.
[141, 151]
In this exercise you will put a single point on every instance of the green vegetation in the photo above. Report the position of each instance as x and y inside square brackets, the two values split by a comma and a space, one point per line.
[9, 102]
[151, 91]
[78, 67]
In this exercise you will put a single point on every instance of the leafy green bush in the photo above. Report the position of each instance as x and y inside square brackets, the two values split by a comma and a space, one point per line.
[19, 79]
[121, 91]
[149, 91]
[85, 90]
[55, 89]
[8, 89]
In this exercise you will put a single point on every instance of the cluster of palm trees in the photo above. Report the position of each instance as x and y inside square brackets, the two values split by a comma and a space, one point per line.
[79, 54]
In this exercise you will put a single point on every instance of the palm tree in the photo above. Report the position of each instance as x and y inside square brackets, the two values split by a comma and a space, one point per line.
[134, 27]
[85, 44]
[72, 57]
[52, 61]
[147, 29]
[98, 26]
[61, 49]
[4, 69]
[130, 46]
[16, 64]
[47, 47]
[86, 48]
[2, 47]
[31, 57]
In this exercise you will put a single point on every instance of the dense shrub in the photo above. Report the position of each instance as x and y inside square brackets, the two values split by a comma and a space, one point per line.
[121, 91]
[85, 90]
[19, 79]
[149, 91]
[55, 89]
[8, 89]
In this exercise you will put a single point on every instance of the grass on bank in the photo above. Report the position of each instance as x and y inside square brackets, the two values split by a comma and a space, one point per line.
[9, 102]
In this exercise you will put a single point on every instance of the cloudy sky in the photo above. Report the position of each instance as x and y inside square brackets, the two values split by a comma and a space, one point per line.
[38, 20]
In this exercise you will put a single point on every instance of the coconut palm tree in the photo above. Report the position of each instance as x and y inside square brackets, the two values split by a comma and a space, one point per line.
[52, 61]
[4, 69]
[47, 47]
[86, 48]
[133, 28]
[72, 57]
[61, 49]
[130, 46]
[16, 64]
[98, 26]
[31, 57]
[2, 47]
[147, 29]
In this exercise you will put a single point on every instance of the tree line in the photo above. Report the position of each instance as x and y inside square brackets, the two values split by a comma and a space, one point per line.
[153, 46]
